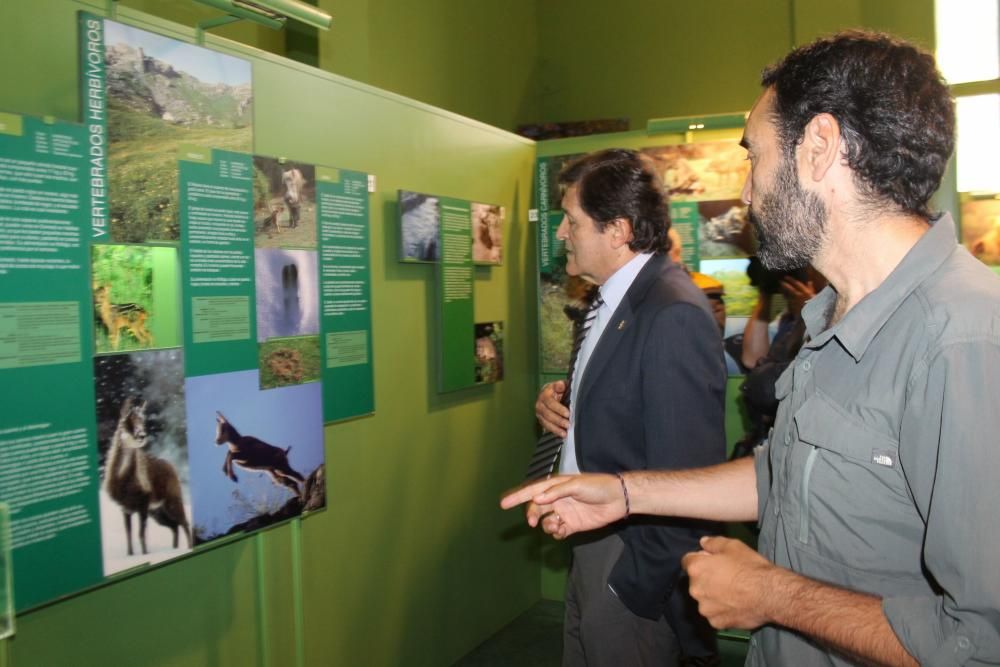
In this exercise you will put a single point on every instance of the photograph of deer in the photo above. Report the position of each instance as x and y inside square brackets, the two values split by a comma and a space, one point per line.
[136, 294]
[256, 456]
[144, 501]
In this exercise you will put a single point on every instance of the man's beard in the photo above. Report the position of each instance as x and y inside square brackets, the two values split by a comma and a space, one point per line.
[790, 222]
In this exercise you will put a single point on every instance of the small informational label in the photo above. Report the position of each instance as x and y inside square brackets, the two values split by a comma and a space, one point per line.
[39, 334]
[532, 215]
[219, 318]
[371, 183]
[346, 348]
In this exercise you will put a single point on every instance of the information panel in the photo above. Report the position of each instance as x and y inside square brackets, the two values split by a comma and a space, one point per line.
[48, 457]
[345, 278]
[455, 297]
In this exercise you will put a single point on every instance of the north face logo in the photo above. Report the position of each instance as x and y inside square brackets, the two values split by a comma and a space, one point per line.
[883, 458]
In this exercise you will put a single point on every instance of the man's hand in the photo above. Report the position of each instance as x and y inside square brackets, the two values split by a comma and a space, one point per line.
[551, 413]
[730, 581]
[796, 293]
[570, 504]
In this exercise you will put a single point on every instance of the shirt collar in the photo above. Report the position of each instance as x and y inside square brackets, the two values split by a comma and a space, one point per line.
[614, 288]
[859, 326]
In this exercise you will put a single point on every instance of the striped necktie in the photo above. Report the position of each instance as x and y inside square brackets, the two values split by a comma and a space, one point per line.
[549, 446]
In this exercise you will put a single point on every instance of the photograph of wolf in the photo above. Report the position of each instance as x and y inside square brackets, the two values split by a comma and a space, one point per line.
[145, 503]
[256, 456]
[162, 93]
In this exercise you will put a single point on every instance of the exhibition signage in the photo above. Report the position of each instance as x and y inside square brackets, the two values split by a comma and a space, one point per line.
[455, 297]
[345, 278]
[48, 457]
[216, 205]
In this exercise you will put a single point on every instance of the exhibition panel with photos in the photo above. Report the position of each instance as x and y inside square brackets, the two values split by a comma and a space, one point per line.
[182, 316]
[456, 236]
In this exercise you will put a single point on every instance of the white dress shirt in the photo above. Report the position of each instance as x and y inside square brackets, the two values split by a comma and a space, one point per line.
[612, 291]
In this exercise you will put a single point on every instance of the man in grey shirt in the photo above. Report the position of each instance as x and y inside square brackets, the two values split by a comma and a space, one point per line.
[879, 531]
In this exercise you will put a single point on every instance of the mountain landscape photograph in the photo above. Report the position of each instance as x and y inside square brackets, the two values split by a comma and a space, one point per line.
[162, 93]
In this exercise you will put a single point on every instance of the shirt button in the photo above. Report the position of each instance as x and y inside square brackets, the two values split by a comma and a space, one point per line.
[963, 643]
[788, 439]
[806, 365]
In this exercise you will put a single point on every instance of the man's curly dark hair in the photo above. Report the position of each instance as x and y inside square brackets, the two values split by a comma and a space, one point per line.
[621, 183]
[896, 115]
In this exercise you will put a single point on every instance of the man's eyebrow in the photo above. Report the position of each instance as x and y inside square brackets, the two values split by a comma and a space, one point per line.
[744, 142]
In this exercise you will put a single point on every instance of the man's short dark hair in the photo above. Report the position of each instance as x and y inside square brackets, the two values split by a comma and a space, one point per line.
[897, 118]
[622, 183]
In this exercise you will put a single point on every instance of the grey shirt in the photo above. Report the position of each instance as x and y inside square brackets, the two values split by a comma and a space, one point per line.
[881, 471]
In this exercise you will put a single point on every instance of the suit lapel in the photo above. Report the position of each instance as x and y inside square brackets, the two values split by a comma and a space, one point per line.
[619, 325]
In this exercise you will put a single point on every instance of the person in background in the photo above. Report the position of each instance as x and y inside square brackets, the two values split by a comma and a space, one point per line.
[764, 358]
[874, 492]
[647, 392]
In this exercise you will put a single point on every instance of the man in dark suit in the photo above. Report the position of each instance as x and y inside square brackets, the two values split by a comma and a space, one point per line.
[647, 393]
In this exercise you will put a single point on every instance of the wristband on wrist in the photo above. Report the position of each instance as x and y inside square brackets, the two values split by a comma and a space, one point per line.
[628, 507]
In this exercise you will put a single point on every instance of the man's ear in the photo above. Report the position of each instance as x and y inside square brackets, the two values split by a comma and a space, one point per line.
[821, 146]
[620, 231]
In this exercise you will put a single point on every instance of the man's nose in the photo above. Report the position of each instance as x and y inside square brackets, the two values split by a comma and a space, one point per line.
[745, 193]
[562, 231]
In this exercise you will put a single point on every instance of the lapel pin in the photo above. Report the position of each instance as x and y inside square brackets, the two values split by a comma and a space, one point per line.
[621, 325]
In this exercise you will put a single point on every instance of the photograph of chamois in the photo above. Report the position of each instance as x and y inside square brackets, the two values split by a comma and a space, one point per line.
[162, 93]
[256, 455]
[136, 293]
[724, 229]
[145, 503]
[489, 352]
[284, 203]
[420, 227]
[487, 233]
[706, 171]
[981, 228]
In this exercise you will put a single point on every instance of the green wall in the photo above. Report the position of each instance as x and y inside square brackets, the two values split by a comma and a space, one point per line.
[474, 58]
[413, 562]
[643, 60]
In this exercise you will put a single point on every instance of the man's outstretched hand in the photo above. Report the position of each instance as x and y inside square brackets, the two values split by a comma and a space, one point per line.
[570, 504]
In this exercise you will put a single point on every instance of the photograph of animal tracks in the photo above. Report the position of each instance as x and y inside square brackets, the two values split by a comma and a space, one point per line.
[256, 456]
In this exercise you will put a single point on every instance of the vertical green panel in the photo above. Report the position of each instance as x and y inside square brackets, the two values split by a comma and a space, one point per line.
[345, 279]
[456, 315]
[219, 299]
[48, 452]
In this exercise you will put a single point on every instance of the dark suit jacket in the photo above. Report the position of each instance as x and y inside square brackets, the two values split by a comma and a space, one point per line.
[651, 397]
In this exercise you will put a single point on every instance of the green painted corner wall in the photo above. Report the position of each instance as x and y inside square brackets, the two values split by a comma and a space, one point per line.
[413, 562]
[474, 58]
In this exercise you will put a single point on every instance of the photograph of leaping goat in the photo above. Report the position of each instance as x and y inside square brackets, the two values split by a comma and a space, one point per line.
[142, 448]
[256, 455]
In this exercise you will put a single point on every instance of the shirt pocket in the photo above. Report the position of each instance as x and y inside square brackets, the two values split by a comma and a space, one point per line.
[853, 502]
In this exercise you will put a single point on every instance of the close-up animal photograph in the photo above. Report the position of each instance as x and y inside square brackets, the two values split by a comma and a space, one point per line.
[144, 499]
[256, 455]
